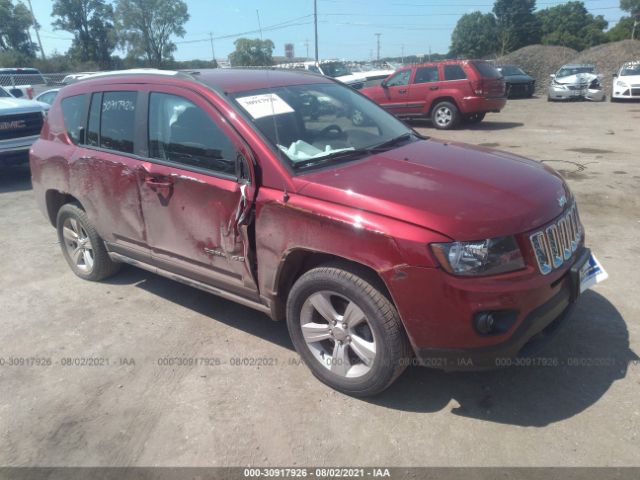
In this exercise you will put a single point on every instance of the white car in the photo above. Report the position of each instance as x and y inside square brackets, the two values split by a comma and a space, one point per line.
[575, 81]
[328, 68]
[626, 83]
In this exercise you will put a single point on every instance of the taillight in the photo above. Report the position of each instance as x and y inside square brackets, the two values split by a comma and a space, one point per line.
[30, 93]
[478, 87]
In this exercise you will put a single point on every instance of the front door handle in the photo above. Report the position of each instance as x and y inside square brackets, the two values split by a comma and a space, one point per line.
[404, 90]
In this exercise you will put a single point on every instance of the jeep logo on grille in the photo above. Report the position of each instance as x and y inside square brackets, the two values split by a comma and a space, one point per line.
[13, 125]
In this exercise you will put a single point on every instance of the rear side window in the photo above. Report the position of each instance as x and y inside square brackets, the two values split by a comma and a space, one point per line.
[426, 75]
[73, 113]
[454, 72]
[181, 132]
[117, 126]
[486, 70]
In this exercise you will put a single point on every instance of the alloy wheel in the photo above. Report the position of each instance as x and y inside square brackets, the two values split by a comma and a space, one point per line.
[444, 116]
[338, 334]
[78, 245]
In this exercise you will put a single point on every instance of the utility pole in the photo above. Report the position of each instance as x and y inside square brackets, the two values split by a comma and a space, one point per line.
[402, 55]
[315, 24]
[36, 27]
[259, 24]
[213, 53]
[306, 44]
[378, 56]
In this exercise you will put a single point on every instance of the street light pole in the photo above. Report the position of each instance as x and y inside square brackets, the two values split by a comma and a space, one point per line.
[315, 24]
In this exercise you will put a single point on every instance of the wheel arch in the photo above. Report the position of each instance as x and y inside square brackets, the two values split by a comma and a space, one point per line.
[55, 199]
[300, 260]
[443, 98]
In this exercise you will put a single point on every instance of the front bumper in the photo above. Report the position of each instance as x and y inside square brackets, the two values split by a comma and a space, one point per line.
[629, 92]
[592, 94]
[16, 151]
[439, 318]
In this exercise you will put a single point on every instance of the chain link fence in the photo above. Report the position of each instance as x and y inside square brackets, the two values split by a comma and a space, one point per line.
[29, 85]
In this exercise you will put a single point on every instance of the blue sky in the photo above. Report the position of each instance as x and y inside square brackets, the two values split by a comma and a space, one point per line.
[346, 28]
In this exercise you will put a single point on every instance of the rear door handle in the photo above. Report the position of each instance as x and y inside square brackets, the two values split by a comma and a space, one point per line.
[155, 182]
[434, 88]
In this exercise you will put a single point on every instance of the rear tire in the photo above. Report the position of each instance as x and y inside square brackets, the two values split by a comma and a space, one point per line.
[445, 116]
[346, 330]
[82, 247]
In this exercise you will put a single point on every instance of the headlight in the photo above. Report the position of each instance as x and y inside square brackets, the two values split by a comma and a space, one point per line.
[482, 257]
[559, 86]
[620, 83]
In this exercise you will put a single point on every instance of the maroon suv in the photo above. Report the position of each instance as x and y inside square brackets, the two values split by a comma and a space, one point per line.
[447, 92]
[373, 243]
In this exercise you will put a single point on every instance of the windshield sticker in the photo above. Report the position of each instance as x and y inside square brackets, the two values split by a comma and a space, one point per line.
[265, 105]
[301, 150]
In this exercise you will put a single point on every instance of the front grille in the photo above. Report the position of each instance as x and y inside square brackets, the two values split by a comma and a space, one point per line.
[578, 87]
[556, 243]
[20, 125]
[520, 88]
[635, 92]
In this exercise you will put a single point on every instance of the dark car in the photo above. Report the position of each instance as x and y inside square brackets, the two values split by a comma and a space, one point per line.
[519, 83]
[373, 243]
[448, 92]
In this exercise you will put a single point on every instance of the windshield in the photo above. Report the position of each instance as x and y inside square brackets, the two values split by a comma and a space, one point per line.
[323, 122]
[631, 69]
[511, 70]
[335, 69]
[567, 71]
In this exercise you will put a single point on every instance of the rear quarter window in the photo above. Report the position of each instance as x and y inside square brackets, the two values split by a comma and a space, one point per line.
[454, 72]
[73, 109]
[486, 70]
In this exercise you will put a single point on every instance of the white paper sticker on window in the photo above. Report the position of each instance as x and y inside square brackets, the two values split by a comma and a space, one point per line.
[264, 105]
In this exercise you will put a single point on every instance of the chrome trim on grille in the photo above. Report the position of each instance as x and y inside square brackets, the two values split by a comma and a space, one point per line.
[555, 244]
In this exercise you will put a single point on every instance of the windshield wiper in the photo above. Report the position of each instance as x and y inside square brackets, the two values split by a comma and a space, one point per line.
[342, 154]
[390, 143]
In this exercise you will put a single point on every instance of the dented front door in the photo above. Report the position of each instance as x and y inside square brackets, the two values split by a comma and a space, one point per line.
[195, 210]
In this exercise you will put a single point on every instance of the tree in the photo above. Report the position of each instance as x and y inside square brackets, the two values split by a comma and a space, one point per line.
[146, 27]
[633, 7]
[91, 23]
[15, 21]
[571, 25]
[622, 30]
[475, 35]
[517, 24]
[252, 52]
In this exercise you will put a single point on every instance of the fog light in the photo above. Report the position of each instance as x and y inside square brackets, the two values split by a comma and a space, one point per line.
[484, 323]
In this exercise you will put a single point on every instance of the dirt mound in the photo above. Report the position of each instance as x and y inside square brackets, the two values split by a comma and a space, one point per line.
[609, 57]
[539, 61]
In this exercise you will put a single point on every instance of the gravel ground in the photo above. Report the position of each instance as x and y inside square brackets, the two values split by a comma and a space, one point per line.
[127, 407]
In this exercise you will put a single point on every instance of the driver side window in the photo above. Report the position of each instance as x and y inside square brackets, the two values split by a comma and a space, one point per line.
[399, 79]
[181, 132]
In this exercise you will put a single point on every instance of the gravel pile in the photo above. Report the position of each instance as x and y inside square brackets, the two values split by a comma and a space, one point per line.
[539, 61]
[609, 57]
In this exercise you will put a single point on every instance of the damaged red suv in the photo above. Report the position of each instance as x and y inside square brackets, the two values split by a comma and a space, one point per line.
[378, 246]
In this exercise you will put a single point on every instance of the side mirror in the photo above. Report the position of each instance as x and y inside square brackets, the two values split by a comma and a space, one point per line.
[615, 75]
[383, 84]
[552, 76]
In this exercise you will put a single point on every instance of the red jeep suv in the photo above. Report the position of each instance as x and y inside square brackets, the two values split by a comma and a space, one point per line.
[447, 92]
[375, 244]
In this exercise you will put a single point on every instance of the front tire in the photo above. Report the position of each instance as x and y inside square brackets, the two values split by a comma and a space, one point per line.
[346, 330]
[82, 247]
[445, 116]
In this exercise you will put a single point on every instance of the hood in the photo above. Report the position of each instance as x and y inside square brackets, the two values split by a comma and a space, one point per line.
[518, 78]
[9, 106]
[348, 79]
[576, 79]
[464, 192]
[629, 79]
